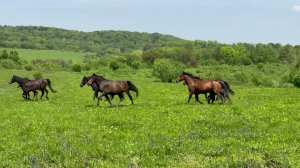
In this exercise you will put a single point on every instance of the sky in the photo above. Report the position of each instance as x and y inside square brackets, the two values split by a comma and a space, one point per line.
[225, 21]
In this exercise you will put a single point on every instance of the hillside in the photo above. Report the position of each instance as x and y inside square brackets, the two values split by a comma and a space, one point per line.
[48, 38]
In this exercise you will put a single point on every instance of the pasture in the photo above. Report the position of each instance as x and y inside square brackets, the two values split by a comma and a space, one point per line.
[30, 54]
[260, 128]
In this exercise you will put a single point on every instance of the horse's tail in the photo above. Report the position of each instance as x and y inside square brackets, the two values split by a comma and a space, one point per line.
[49, 84]
[228, 87]
[133, 88]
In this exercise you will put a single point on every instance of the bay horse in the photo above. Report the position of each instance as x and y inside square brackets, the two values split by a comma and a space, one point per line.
[34, 85]
[94, 87]
[226, 92]
[109, 87]
[198, 86]
[21, 81]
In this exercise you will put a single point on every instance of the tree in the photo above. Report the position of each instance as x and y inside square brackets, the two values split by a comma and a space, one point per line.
[167, 70]
[288, 54]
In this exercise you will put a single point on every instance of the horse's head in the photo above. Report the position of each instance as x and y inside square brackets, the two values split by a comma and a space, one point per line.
[91, 80]
[84, 81]
[180, 78]
[13, 79]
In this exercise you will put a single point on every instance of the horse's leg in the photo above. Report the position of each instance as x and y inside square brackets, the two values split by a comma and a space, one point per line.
[35, 94]
[206, 98]
[190, 96]
[129, 95]
[46, 94]
[121, 96]
[111, 97]
[42, 90]
[100, 97]
[107, 98]
[197, 98]
[95, 95]
[221, 96]
[24, 95]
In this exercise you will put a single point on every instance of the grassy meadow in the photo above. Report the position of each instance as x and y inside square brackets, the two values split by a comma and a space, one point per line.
[260, 128]
[30, 54]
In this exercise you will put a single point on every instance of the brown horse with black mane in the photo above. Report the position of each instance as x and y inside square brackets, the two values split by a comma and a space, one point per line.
[198, 86]
[109, 87]
[34, 85]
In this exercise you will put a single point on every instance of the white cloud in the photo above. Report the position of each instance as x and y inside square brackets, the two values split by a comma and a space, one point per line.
[296, 8]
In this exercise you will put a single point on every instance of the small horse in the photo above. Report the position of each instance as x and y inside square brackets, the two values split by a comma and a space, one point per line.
[198, 86]
[33, 85]
[113, 88]
[226, 92]
[21, 81]
[95, 88]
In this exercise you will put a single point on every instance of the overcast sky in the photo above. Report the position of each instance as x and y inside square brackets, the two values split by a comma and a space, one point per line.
[227, 21]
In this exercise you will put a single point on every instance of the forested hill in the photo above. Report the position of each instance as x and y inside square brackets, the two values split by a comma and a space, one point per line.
[36, 37]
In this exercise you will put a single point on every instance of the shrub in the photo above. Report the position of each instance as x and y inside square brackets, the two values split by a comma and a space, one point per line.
[294, 78]
[167, 70]
[38, 75]
[114, 65]
[260, 66]
[257, 80]
[136, 64]
[9, 64]
[76, 68]
[242, 77]
[86, 67]
[28, 67]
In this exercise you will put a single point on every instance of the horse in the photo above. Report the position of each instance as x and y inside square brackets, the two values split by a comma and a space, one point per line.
[226, 92]
[95, 87]
[34, 85]
[21, 81]
[109, 87]
[198, 86]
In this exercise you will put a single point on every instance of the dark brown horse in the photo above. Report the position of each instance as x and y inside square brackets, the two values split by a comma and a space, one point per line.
[95, 88]
[21, 81]
[113, 88]
[198, 86]
[34, 85]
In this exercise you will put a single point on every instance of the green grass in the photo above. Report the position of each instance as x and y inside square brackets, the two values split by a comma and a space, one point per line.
[260, 128]
[29, 54]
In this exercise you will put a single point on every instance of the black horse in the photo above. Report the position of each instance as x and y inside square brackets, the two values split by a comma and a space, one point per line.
[226, 92]
[34, 85]
[95, 87]
[113, 87]
[22, 81]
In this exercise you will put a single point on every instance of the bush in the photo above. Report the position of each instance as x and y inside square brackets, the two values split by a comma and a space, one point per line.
[294, 78]
[9, 64]
[257, 80]
[136, 64]
[38, 75]
[28, 67]
[114, 65]
[86, 67]
[76, 68]
[242, 77]
[167, 70]
[260, 66]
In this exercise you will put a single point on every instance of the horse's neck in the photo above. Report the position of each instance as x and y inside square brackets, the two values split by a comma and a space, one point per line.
[20, 80]
[189, 81]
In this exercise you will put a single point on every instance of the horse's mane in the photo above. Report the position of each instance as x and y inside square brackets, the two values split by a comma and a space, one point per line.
[98, 76]
[191, 75]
